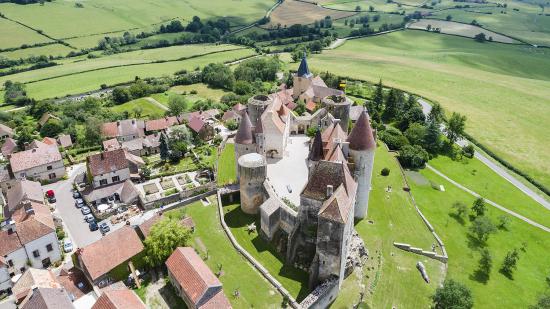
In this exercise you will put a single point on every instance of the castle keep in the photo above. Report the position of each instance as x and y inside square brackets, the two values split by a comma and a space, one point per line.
[307, 191]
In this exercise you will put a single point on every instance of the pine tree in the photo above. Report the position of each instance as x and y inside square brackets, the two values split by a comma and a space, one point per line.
[378, 98]
[164, 150]
[432, 139]
[391, 108]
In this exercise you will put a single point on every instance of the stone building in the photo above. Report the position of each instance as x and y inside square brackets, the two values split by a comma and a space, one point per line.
[306, 199]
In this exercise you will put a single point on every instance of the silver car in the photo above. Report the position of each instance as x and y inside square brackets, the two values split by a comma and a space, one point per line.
[89, 218]
[85, 210]
[79, 202]
[67, 245]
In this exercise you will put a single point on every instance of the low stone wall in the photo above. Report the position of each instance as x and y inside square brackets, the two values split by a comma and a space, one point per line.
[323, 295]
[174, 198]
[430, 254]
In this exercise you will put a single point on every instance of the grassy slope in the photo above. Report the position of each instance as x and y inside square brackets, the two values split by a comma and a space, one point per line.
[509, 115]
[149, 110]
[226, 165]
[88, 81]
[53, 49]
[15, 35]
[395, 220]
[254, 290]
[533, 266]
[476, 176]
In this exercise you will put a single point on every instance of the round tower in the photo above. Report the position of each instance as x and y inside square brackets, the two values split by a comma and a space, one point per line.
[361, 148]
[252, 170]
[244, 139]
[256, 106]
[339, 107]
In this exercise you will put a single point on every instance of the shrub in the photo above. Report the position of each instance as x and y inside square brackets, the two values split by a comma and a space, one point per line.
[385, 171]
[60, 233]
[468, 151]
[393, 138]
[413, 156]
[453, 294]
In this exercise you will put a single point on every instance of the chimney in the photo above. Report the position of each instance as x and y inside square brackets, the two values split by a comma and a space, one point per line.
[133, 121]
[118, 123]
[102, 156]
[330, 190]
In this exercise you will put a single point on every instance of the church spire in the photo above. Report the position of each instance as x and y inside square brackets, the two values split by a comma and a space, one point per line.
[303, 70]
[361, 137]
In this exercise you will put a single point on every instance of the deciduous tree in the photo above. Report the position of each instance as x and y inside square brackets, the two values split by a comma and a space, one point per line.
[453, 294]
[165, 236]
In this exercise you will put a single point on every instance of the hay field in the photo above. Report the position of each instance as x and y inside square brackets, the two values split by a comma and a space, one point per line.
[52, 49]
[504, 90]
[454, 28]
[14, 35]
[292, 12]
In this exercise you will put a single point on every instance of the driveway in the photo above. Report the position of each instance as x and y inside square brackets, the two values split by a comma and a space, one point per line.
[72, 218]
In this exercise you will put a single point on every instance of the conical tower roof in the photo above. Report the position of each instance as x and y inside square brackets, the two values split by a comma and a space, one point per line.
[361, 137]
[316, 152]
[303, 70]
[244, 133]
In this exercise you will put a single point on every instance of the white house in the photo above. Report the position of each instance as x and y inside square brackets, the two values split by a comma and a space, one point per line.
[40, 162]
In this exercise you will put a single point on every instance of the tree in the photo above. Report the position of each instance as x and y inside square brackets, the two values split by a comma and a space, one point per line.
[391, 107]
[468, 151]
[40, 108]
[218, 75]
[510, 262]
[232, 125]
[358, 8]
[449, 17]
[298, 53]
[485, 263]
[393, 138]
[416, 134]
[436, 114]
[482, 227]
[177, 104]
[413, 156]
[121, 95]
[92, 131]
[412, 115]
[453, 294]
[480, 37]
[411, 102]
[503, 222]
[460, 209]
[542, 303]
[164, 149]
[479, 207]
[378, 100]
[52, 128]
[311, 131]
[165, 236]
[243, 87]
[455, 127]
[432, 139]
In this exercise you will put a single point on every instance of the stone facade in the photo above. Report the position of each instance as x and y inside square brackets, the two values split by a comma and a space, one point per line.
[252, 171]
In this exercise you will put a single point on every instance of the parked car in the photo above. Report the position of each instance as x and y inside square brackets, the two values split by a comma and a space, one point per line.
[50, 194]
[79, 202]
[89, 218]
[104, 227]
[67, 245]
[52, 199]
[93, 226]
[85, 210]
[76, 194]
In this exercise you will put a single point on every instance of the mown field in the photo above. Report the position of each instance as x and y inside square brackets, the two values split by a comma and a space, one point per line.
[292, 12]
[503, 90]
[75, 81]
[15, 35]
[527, 281]
[450, 27]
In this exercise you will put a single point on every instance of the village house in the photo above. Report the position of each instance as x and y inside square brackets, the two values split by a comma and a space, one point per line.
[201, 127]
[121, 247]
[194, 281]
[5, 131]
[31, 279]
[45, 118]
[118, 297]
[231, 115]
[48, 298]
[108, 167]
[9, 147]
[123, 130]
[160, 125]
[65, 141]
[147, 145]
[145, 227]
[40, 162]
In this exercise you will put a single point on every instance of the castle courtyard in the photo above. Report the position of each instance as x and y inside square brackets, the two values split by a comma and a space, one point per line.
[290, 171]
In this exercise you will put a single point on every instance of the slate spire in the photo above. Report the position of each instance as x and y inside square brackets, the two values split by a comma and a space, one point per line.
[303, 70]
[244, 133]
[361, 136]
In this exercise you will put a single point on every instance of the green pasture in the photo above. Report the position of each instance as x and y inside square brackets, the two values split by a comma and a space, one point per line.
[227, 165]
[203, 91]
[49, 50]
[87, 81]
[528, 279]
[503, 90]
[213, 245]
[15, 35]
[148, 110]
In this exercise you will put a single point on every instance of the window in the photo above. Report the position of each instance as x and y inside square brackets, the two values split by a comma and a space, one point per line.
[103, 182]
[36, 253]
[49, 247]
[116, 178]
[10, 263]
[51, 176]
[49, 167]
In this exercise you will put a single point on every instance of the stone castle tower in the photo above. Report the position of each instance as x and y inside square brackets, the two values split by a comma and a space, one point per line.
[252, 171]
[339, 107]
[256, 107]
[302, 80]
[361, 148]
[245, 142]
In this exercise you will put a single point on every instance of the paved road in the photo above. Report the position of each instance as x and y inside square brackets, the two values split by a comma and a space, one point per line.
[527, 220]
[426, 108]
[73, 219]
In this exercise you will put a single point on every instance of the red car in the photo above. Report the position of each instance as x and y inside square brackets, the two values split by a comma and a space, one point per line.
[50, 194]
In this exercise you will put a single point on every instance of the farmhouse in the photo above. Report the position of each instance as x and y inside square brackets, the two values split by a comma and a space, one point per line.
[48, 298]
[118, 298]
[5, 131]
[40, 162]
[123, 130]
[32, 279]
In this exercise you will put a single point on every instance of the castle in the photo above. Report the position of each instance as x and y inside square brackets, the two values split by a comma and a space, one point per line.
[307, 192]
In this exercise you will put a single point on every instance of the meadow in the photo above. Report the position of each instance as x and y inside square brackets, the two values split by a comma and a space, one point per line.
[504, 90]
[454, 28]
[527, 281]
[296, 12]
[80, 82]
[15, 35]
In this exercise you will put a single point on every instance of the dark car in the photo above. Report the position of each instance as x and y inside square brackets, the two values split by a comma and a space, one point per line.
[104, 228]
[93, 226]
[52, 199]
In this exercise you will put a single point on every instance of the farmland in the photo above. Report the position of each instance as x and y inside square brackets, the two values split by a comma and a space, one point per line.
[449, 27]
[483, 81]
[15, 35]
[296, 12]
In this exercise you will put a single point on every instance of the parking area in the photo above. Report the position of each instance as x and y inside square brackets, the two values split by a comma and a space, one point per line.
[72, 216]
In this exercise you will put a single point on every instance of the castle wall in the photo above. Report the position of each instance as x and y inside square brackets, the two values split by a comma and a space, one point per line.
[275, 140]
[340, 110]
[256, 106]
[253, 171]
[364, 164]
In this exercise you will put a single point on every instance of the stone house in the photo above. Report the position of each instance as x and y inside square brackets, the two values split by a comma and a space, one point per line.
[40, 162]
[118, 297]
[5, 131]
[65, 141]
[160, 125]
[108, 167]
[194, 281]
[201, 127]
[32, 279]
[93, 260]
[48, 298]
[123, 130]
[8, 147]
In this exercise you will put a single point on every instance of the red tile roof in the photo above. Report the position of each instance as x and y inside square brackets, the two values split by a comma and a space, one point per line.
[161, 124]
[118, 299]
[123, 128]
[361, 136]
[196, 124]
[64, 141]
[192, 274]
[107, 253]
[111, 144]
[10, 243]
[42, 155]
[311, 106]
[9, 146]
[107, 161]
[49, 141]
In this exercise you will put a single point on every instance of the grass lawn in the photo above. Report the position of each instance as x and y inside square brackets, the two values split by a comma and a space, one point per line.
[483, 81]
[227, 172]
[533, 265]
[203, 91]
[254, 290]
[390, 275]
[293, 279]
[476, 176]
[149, 110]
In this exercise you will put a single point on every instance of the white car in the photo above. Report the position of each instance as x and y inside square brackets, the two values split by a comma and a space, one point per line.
[67, 246]
[85, 210]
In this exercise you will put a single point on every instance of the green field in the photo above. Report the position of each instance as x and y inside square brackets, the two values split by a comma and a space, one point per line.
[15, 35]
[395, 283]
[503, 90]
[87, 81]
[149, 110]
[210, 240]
[52, 49]
[227, 165]
[533, 266]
